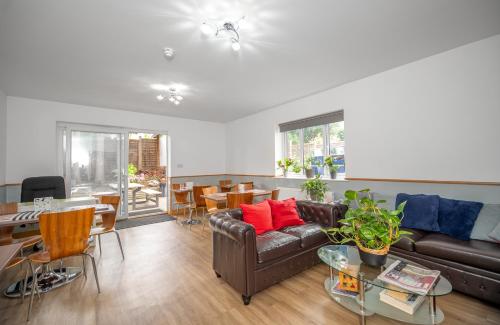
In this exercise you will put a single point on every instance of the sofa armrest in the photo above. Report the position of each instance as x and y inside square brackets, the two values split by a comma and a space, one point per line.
[326, 215]
[228, 226]
[234, 251]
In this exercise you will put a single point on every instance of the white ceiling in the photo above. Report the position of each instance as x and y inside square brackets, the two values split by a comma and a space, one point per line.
[107, 52]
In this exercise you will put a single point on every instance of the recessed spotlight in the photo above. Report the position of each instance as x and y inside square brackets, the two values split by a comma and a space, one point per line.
[169, 53]
[179, 97]
[160, 97]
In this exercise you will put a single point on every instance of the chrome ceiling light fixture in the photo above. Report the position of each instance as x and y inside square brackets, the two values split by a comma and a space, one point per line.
[227, 30]
[173, 96]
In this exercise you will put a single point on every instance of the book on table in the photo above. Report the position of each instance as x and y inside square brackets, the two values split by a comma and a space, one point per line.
[410, 277]
[407, 302]
[337, 289]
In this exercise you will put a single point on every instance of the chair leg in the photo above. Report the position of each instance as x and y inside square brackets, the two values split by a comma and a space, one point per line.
[119, 243]
[34, 284]
[95, 272]
[25, 284]
[100, 246]
[84, 265]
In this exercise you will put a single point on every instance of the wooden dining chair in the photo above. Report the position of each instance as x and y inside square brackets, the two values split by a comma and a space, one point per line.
[64, 234]
[211, 205]
[223, 183]
[198, 201]
[6, 232]
[181, 202]
[235, 199]
[108, 222]
[275, 194]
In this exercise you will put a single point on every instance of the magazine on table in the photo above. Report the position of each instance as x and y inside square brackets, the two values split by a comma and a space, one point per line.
[410, 277]
[409, 304]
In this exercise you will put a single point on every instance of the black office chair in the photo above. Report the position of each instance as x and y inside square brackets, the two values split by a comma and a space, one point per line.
[44, 186]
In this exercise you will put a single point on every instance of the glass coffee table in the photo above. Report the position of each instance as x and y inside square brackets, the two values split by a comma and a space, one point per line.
[345, 259]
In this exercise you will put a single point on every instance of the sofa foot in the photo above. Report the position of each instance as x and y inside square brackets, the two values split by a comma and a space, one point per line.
[246, 299]
[217, 274]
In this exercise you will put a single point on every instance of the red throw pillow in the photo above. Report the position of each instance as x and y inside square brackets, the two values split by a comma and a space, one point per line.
[259, 216]
[285, 213]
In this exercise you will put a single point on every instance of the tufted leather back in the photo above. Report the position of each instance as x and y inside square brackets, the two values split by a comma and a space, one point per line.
[323, 214]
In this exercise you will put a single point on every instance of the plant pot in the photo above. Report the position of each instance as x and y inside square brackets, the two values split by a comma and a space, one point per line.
[373, 257]
[314, 197]
[333, 173]
[309, 173]
[285, 173]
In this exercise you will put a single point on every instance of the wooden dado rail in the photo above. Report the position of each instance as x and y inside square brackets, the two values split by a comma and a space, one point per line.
[357, 179]
[428, 181]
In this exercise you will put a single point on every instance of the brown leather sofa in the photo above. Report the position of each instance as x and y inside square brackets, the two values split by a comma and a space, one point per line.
[251, 263]
[472, 267]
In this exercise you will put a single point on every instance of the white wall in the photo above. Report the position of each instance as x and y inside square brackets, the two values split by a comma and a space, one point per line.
[3, 135]
[436, 118]
[32, 148]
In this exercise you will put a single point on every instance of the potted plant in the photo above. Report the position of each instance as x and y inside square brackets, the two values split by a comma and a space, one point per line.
[372, 228]
[285, 165]
[308, 167]
[315, 188]
[332, 167]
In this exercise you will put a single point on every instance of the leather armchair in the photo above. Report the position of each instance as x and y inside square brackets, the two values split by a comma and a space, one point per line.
[251, 263]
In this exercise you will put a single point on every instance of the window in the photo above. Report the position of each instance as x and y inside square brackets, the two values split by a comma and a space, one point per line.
[314, 139]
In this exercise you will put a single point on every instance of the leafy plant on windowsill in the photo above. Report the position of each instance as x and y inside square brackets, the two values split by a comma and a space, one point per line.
[285, 165]
[315, 188]
[372, 228]
[307, 166]
[332, 167]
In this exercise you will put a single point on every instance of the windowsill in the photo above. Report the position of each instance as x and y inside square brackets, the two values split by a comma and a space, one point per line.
[341, 178]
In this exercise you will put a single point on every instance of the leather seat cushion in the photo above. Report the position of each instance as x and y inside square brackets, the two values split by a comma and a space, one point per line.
[407, 244]
[309, 234]
[478, 253]
[274, 244]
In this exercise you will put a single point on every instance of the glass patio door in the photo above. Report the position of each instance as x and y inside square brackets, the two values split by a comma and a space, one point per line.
[93, 162]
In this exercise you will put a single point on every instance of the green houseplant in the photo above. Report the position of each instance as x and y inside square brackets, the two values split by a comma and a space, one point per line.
[372, 228]
[315, 188]
[285, 165]
[308, 167]
[332, 168]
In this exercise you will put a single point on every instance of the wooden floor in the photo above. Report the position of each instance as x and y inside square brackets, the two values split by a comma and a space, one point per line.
[167, 279]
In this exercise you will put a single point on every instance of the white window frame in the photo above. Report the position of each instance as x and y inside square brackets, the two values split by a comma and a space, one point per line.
[326, 149]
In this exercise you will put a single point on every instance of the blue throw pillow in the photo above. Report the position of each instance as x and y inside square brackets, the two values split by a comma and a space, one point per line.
[457, 218]
[421, 211]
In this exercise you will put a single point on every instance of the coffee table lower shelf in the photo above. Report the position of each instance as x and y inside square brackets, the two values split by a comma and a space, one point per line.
[373, 305]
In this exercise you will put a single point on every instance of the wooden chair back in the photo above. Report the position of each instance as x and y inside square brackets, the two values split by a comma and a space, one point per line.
[222, 184]
[197, 193]
[275, 194]
[181, 197]
[109, 219]
[6, 232]
[210, 204]
[235, 199]
[66, 233]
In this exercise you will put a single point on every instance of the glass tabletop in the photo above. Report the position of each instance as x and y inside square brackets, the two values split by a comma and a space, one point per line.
[345, 259]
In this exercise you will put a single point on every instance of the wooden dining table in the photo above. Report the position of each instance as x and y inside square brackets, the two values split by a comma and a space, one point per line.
[7, 253]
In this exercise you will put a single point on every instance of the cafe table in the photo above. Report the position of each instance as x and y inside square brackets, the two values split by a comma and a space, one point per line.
[7, 253]
[50, 278]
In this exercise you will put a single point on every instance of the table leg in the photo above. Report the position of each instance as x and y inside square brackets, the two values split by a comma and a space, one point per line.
[134, 192]
[362, 316]
[432, 309]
